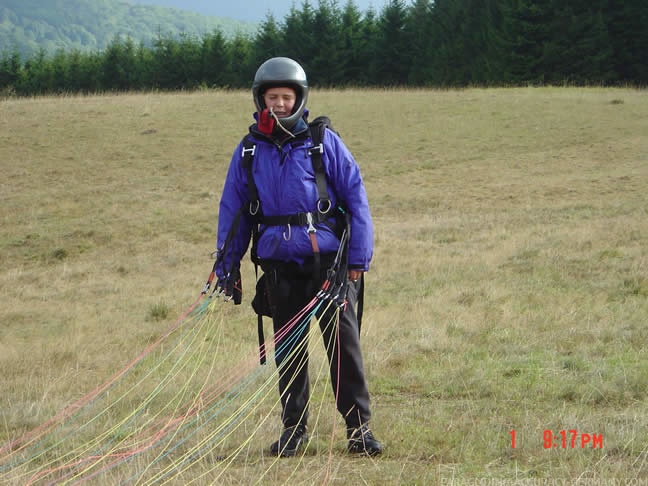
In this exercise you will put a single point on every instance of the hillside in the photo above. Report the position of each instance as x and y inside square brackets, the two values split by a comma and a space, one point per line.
[28, 25]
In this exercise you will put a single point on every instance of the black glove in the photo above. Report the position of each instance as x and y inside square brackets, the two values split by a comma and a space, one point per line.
[231, 287]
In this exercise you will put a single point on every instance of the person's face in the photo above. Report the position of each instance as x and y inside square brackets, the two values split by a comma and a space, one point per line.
[280, 100]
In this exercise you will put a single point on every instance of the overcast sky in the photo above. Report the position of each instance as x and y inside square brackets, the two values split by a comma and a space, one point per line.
[251, 10]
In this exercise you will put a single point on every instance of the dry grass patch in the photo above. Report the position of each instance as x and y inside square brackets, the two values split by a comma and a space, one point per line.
[508, 291]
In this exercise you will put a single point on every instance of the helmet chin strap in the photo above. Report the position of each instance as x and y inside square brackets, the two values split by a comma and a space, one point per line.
[288, 132]
[268, 119]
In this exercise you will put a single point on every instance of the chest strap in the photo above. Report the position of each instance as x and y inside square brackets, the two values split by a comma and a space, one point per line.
[299, 219]
[324, 204]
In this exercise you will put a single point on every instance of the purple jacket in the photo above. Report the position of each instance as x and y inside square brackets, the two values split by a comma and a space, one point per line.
[285, 181]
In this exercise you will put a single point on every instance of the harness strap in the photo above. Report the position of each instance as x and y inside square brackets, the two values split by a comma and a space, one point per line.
[324, 204]
[262, 348]
[323, 201]
[299, 219]
[249, 149]
[360, 309]
[316, 251]
[325, 210]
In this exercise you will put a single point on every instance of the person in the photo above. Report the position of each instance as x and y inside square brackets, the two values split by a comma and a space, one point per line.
[283, 175]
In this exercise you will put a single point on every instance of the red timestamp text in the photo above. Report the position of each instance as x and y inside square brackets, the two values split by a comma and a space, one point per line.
[571, 439]
[566, 439]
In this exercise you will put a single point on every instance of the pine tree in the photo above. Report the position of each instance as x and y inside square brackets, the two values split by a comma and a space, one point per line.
[325, 62]
[10, 67]
[352, 64]
[268, 42]
[40, 72]
[393, 48]
[419, 28]
[367, 50]
[627, 22]
[528, 36]
[238, 68]
[449, 66]
[119, 66]
[298, 42]
[214, 59]
[591, 55]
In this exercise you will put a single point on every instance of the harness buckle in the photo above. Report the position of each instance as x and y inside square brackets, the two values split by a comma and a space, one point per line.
[250, 150]
[317, 148]
[309, 221]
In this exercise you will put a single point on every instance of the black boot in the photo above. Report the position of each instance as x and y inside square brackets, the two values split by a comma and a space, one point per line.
[290, 440]
[362, 441]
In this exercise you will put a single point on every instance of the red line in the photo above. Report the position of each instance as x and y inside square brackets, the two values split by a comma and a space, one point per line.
[22, 442]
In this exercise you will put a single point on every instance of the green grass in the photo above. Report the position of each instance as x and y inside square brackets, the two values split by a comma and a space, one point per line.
[508, 289]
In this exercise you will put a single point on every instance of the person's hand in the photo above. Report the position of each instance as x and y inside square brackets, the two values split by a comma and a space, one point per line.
[354, 275]
[230, 286]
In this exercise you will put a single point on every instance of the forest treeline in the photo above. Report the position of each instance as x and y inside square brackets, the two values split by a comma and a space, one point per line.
[440, 43]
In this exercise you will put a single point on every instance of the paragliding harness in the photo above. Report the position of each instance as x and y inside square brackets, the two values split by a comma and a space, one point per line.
[335, 284]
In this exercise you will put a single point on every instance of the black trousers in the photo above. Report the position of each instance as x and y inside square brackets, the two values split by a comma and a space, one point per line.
[290, 287]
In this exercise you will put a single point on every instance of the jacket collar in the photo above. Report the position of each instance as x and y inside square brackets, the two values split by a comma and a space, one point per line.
[278, 136]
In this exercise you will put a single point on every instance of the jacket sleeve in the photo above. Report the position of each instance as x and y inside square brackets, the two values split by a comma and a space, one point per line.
[233, 217]
[343, 173]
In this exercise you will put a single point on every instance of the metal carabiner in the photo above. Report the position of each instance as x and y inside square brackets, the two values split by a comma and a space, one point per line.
[328, 206]
[254, 204]
[289, 233]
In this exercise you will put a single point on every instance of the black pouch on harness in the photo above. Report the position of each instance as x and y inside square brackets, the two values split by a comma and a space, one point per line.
[261, 301]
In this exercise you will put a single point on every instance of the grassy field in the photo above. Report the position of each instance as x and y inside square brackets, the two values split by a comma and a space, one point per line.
[508, 294]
